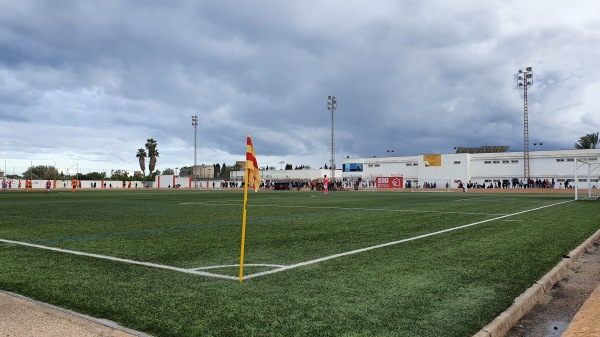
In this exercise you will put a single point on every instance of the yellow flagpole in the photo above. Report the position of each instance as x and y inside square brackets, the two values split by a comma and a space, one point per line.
[244, 225]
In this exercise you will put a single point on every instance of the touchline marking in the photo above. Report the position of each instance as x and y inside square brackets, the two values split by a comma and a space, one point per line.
[118, 259]
[341, 208]
[469, 199]
[335, 256]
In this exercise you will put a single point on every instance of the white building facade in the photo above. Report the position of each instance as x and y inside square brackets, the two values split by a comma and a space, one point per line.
[477, 168]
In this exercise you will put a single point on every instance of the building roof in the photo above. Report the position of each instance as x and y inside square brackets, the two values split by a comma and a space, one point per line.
[483, 149]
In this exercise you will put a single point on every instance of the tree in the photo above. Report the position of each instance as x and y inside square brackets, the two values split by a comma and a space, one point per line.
[216, 170]
[119, 175]
[41, 172]
[224, 174]
[141, 155]
[94, 176]
[185, 171]
[168, 171]
[589, 141]
[151, 146]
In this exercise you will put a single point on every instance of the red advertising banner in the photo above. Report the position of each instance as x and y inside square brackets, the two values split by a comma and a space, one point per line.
[390, 182]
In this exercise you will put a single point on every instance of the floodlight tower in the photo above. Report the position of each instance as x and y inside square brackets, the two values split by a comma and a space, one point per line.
[195, 125]
[524, 81]
[332, 106]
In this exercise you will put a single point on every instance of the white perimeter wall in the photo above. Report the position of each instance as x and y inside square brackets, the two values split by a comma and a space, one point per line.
[288, 174]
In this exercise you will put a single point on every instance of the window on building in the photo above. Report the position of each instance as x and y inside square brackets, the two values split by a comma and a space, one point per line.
[570, 159]
[505, 162]
[487, 162]
[514, 161]
[457, 162]
[496, 162]
[352, 167]
[560, 160]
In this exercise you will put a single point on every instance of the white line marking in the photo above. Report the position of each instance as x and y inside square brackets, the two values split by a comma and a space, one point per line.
[237, 266]
[118, 259]
[331, 257]
[469, 199]
[342, 208]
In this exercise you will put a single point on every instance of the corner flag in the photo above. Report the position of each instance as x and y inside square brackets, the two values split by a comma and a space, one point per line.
[252, 179]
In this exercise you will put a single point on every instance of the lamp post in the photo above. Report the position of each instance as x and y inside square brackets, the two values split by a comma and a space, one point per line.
[332, 106]
[281, 164]
[390, 151]
[524, 81]
[195, 125]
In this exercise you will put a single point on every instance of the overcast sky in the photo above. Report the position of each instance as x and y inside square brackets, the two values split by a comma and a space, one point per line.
[87, 82]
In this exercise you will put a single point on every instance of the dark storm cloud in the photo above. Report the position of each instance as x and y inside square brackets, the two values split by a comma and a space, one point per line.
[416, 77]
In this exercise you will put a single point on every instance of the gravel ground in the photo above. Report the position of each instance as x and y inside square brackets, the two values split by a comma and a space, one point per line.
[552, 315]
[22, 317]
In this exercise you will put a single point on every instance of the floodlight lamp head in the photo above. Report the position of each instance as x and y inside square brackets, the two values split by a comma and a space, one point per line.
[520, 77]
[328, 97]
[529, 75]
[520, 84]
[520, 71]
[528, 68]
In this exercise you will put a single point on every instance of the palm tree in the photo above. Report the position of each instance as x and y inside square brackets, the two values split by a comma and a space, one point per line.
[141, 155]
[152, 153]
[589, 141]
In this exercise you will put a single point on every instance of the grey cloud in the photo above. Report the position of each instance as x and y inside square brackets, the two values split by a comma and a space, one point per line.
[416, 77]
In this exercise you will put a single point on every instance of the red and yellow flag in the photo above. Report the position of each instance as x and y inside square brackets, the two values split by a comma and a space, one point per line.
[252, 166]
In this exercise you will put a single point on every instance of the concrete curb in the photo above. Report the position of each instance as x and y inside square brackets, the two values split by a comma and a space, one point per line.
[530, 297]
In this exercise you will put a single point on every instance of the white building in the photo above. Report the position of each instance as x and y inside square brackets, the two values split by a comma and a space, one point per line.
[478, 168]
[286, 175]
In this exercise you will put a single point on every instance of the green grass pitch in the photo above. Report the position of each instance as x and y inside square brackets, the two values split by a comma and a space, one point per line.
[347, 264]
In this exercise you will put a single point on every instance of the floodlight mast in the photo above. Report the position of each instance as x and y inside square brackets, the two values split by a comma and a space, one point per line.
[524, 81]
[195, 125]
[332, 106]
